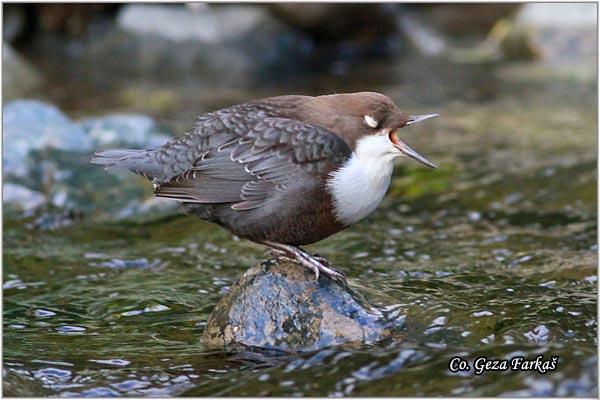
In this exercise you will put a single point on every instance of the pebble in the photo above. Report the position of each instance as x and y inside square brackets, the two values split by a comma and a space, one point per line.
[484, 313]
[112, 361]
[40, 313]
[70, 330]
[538, 335]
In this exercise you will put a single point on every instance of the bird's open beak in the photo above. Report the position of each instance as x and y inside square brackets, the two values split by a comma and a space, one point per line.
[413, 119]
[405, 149]
[409, 152]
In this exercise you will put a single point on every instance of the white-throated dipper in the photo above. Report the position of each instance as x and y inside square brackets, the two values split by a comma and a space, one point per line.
[282, 171]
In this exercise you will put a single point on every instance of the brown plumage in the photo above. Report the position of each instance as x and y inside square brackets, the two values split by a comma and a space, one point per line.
[262, 169]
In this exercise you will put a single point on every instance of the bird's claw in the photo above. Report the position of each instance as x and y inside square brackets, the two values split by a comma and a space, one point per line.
[322, 260]
[281, 255]
[328, 270]
[316, 263]
[323, 266]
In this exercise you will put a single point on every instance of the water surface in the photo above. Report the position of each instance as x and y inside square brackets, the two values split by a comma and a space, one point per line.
[493, 254]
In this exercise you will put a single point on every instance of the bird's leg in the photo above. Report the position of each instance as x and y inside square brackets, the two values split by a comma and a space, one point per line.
[325, 266]
[279, 254]
[322, 260]
[296, 254]
[308, 261]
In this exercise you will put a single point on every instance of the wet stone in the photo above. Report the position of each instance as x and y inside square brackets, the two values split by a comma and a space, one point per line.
[70, 330]
[204, 24]
[98, 392]
[115, 130]
[53, 374]
[33, 125]
[279, 305]
[113, 361]
[47, 170]
[538, 335]
[138, 263]
[40, 313]
[22, 198]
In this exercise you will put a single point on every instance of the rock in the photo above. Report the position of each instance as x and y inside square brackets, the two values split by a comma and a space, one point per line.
[134, 130]
[336, 22]
[153, 207]
[207, 24]
[19, 77]
[466, 19]
[52, 219]
[217, 45]
[20, 198]
[559, 32]
[46, 158]
[279, 305]
[559, 15]
[33, 125]
[565, 33]
[514, 42]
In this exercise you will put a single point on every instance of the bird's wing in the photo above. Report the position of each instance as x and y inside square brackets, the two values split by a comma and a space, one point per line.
[248, 169]
[210, 132]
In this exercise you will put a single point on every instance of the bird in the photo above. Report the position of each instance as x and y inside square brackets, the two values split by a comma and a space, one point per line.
[284, 171]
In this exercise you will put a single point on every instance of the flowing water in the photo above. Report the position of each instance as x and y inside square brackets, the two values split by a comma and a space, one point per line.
[492, 255]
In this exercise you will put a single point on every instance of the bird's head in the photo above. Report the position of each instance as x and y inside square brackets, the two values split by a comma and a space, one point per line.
[370, 122]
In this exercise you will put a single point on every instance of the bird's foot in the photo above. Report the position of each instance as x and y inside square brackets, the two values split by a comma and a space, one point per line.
[280, 255]
[326, 268]
[322, 260]
[300, 258]
[314, 267]
[315, 263]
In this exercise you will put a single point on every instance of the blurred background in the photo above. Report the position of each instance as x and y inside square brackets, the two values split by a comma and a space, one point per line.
[107, 289]
[133, 74]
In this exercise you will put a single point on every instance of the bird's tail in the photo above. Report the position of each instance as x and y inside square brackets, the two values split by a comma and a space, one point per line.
[139, 161]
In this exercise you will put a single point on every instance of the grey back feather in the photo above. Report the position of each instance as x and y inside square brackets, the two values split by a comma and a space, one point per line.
[241, 155]
[275, 153]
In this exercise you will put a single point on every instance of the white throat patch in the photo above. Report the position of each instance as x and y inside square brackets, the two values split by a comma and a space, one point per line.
[360, 184]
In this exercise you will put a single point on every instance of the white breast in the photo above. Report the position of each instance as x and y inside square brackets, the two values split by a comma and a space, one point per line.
[359, 186]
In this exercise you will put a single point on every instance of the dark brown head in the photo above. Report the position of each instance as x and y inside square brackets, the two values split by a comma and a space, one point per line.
[356, 116]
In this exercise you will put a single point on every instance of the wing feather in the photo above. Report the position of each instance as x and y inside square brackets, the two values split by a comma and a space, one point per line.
[247, 170]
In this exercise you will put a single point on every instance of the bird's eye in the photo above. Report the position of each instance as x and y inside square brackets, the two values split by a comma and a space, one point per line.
[370, 121]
